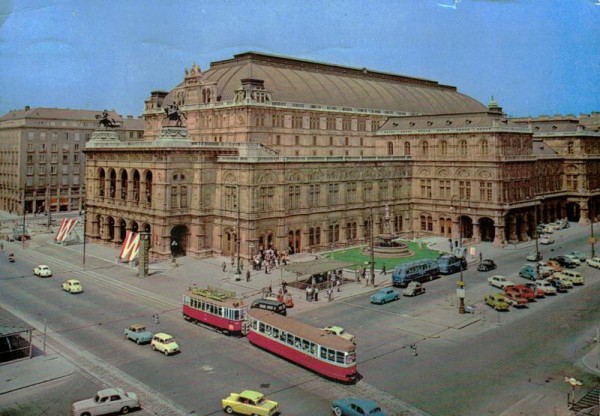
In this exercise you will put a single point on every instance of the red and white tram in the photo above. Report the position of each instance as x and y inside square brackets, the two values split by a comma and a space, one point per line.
[324, 353]
[215, 309]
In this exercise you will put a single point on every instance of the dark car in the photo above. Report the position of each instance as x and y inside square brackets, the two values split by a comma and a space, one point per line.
[560, 286]
[565, 262]
[486, 265]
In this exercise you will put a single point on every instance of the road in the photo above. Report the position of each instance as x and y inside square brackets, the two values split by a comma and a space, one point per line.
[481, 369]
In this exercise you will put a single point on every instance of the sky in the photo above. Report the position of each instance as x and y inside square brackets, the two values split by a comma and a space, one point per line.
[534, 57]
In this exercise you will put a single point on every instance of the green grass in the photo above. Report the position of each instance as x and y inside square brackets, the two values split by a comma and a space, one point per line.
[355, 255]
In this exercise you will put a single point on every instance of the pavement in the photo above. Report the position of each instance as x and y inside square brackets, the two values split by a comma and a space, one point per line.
[167, 280]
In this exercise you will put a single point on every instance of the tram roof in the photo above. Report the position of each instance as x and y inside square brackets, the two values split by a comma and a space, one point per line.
[227, 302]
[316, 266]
[302, 330]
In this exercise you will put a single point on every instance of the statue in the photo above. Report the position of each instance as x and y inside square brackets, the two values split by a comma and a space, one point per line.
[106, 120]
[173, 113]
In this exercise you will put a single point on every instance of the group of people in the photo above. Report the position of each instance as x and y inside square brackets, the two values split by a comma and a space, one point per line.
[268, 259]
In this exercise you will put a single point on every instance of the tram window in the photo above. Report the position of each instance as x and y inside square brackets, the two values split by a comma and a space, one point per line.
[331, 355]
[268, 330]
[282, 336]
[339, 357]
[275, 333]
[254, 324]
[261, 327]
[313, 349]
[298, 342]
[349, 358]
[219, 311]
[290, 339]
[236, 314]
[324, 353]
[305, 345]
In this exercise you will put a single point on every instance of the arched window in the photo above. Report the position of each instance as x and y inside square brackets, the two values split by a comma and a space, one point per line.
[444, 147]
[407, 148]
[390, 149]
[462, 147]
[425, 148]
[483, 147]
[570, 148]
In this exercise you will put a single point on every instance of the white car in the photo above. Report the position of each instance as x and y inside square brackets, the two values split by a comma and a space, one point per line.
[107, 401]
[546, 240]
[574, 258]
[500, 281]
[594, 262]
[42, 271]
[339, 331]
[546, 287]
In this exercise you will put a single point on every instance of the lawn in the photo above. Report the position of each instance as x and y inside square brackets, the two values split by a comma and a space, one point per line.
[355, 255]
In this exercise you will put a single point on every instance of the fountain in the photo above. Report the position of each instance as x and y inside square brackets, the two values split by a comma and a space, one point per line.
[386, 244]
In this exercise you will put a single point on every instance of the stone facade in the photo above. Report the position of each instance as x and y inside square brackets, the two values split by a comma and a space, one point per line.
[285, 153]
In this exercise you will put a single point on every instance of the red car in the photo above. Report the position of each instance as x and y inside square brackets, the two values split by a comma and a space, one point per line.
[521, 291]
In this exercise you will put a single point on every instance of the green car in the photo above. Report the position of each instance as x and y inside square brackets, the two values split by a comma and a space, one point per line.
[496, 301]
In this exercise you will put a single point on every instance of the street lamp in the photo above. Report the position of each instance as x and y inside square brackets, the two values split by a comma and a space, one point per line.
[571, 395]
[238, 271]
[592, 238]
[460, 290]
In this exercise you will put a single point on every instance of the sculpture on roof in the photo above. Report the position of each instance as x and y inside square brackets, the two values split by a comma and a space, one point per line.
[174, 114]
[106, 120]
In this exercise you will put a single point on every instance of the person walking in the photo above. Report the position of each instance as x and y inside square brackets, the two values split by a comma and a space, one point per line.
[316, 294]
[224, 266]
[248, 275]
[329, 294]
[383, 272]
[480, 257]
[338, 283]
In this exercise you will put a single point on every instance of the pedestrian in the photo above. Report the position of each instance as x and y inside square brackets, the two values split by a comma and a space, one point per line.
[284, 287]
[338, 283]
[480, 257]
[232, 261]
[156, 319]
[383, 272]
[248, 275]
[329, 294]
[316, 294]
[224, 266]
[307, 292]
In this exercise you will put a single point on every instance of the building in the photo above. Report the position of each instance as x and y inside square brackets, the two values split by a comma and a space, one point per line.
[41, 161]
[301, 156]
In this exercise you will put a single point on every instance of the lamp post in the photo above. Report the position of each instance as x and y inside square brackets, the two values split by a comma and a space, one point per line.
[238, 271]
[592, 238]
[371, 243]
[460, 290]
[23, 233]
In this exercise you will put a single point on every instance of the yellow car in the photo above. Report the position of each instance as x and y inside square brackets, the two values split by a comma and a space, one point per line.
[497, 301]
[164, 343]
[249, 402]
[72, 286]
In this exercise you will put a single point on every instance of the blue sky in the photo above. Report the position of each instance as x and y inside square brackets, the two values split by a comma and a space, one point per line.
[534, 56]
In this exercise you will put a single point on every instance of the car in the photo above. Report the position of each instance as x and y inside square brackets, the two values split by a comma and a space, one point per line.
[555, 265]
[579, 254]
[515, 300]
[538, 291]
[564, 262]
[573, 258]
[138, 333]
[350, 406]
[534, 256]
[499, 281]
[496, 301]
[385, 295]
[249, 402]
[575, 277]
[521, 291]
[42, 271]
[72, 286]
[546, 239]
[414, 289]
[561, 224]
[107, 401]
[339, 331]
[594, 262]
[529, 271]
[486, 265]
[164, 343]
[559, 285]
[544, 268]
[568, 283]
[545, 286]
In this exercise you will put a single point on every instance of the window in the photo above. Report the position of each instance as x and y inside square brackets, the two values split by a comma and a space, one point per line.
[483, 147]
[333, 194]
[296, 122]
[54, 147]
[443, 147]
[265, 198]
[407, 148]
[42, 170]
[425, 188]
[297, 140]
[278, 120]
[330, 123]
[259, 120]
[294, 196]
[361, 125]
[30, 147]
[54, 159]
[314, 236]
[485, 191]
[464, 190]
[75, 158]
[174, 197]
[65, 159]
[350, 192]
[53, 169]
[368, 191]
[425, 149]
[374, 125]
[346, 124]
[333, 233]
[42, 158]
[30, 170]
[330, 141]
[314, 122]
[43, 147]
[390, 149]
[231, 198]
[314, 193]
[383, 190]
[314, 140]
[445, 189]
[570, 148]
[29, 158]
[76, 147]
[462, 148]
[396, 189]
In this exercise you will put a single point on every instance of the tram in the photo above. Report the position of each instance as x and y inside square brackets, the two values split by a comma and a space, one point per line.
[217, 309]
[326, 354]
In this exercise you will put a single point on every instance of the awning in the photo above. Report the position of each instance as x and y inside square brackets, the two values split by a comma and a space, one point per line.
[317, 266]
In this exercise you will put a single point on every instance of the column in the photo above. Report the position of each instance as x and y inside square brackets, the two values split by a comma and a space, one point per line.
[512, 229]
[499, 235]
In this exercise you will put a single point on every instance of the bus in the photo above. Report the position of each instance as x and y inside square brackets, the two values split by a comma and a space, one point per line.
[324, 353]
[418, 270]
[451, 264]
[217, 309]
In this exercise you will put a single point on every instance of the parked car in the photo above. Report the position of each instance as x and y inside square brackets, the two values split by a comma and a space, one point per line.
[138, 333]
[42, 271]
[562, 223]
[564, 262]
[515, 300]
[496, 301]
[339, 331]
[537, 290]
[594, 262]
[249, 402]
[574, 259]
[546, 239]
[575, 277]
[486, 265]
[545, 269]
[413, 289]
[559, 285]
[534, 256]
[579, 254]
[350, 406]
[164, 343]
[521, 291]
[568, 283]
[385, 295]
[529, 271]
[545, 286]
[107, 401]
[555, 265]
[499, 281]
[72, 286]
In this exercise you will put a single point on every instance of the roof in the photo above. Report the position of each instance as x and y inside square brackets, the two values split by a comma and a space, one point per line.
[251, 394]
[309, 82]
[448, 122]
[10, 324]
[56, 113]
[316, 266]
